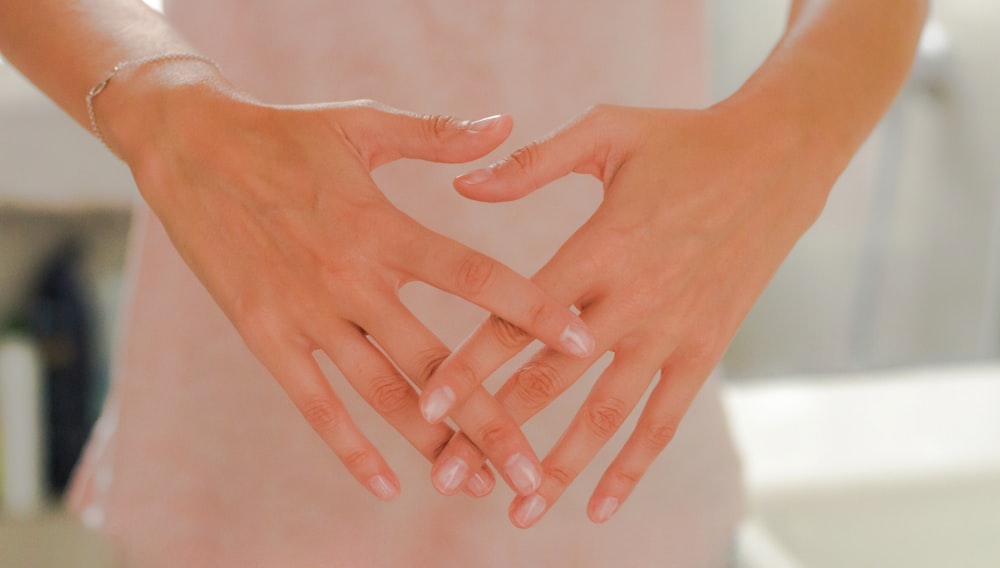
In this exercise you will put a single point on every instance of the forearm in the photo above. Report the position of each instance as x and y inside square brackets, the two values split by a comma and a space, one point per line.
[834, 72]
[66, 46]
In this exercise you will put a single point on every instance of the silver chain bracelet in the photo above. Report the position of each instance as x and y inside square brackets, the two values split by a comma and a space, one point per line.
[103, 83]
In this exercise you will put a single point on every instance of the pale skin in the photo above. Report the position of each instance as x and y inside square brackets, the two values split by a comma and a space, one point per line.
[708, 203]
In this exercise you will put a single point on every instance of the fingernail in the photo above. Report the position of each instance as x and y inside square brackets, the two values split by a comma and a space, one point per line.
[437, 404]
[382, 488]
[523, 474]
[476, 176]
[605, 509]
[577, 340]
[451, 475]
[480, 484]
[483, 124]
[529, 510]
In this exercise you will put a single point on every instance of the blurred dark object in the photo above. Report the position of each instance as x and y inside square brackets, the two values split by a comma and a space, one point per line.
[61, 319]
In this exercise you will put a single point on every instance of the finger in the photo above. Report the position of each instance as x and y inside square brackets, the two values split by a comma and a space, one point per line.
[612, 399]
[383, 134]
[680, 380]
[300, 376]
[581, 147]
[459, 270]
[481, 484]
[532, 387]
[394, 398]
[497, 340]
[384, 389]
[417, 352]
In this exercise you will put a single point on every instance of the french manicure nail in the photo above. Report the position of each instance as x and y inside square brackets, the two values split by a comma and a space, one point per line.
[451, 475]
[529, 510]
[577, 340]
[476, 176]
[483, 124]
[437, 404]
[605, 509]
[382, 488]
[523, 474]
[479, 484]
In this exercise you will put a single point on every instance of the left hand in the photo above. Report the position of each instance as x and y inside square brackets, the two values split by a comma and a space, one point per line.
[699, 210]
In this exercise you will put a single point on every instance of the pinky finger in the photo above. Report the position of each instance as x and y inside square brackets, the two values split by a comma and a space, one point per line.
[308, 388]
[655, 429]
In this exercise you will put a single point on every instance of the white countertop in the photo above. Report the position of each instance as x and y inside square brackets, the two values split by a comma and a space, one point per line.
[873, 469]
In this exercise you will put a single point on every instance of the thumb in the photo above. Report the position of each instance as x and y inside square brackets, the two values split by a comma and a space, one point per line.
[383, 134]
[578, 147]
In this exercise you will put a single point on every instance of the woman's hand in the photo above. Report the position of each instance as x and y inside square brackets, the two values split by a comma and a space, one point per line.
[275, 211]
[700, 208]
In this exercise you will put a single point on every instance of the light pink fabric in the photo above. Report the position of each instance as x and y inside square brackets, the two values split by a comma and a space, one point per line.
[200, 460]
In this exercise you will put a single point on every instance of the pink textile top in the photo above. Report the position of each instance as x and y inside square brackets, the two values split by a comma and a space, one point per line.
[200, 460]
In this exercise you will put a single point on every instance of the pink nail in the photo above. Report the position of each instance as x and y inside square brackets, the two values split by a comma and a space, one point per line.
[382, 488]
[451, 475]
[483, 124]
[605, 509]
[479, 484]
[476, 176]
[437, 404]
[523, 474]
[577, 341]
[529, 510]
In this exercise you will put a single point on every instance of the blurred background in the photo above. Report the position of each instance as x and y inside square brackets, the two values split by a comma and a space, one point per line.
[863, 389]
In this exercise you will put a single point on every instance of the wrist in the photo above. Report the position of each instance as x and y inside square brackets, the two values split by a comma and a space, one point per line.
[780, 131]
[129, 113]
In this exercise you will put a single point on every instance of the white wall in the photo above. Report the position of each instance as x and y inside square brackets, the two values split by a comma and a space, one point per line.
[896, 271]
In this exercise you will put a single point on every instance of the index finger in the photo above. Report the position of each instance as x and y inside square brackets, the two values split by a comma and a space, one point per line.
[503, 336]
[469, 274]
[532, 387]
[416, 350]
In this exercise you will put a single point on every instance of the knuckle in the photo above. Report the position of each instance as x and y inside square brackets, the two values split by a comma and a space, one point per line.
[626, 478]
[603, 116]
[598, 111]
[593, 111]
[437, 125]
[321, 414]
[604, 417]
[540, 314]
[507, 334]
[537, 383]
[359, 111]
[356, 459]
[428, 364]
[492, 433]
[657, 436]
[475, 273]
[560, 474]
[526, 156]
[390, 395]
[701, 347]
[254, 321]
[366, 103]
[463, 374]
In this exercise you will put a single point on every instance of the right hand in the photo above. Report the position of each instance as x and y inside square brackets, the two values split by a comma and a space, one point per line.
[275, 211]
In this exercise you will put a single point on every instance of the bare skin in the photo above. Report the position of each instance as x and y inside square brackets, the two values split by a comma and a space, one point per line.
[273, 208]
[707, 204]
[700, 208]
